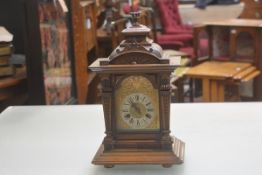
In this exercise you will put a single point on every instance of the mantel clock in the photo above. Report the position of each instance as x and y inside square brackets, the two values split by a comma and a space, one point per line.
[135, 82]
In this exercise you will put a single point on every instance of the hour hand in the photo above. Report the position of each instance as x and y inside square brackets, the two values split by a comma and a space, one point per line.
[136, 108]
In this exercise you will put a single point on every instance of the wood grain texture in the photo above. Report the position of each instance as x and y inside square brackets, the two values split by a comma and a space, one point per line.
[217, 70]
[80, 51]
[245, 25]
[215, 75]
[252, 9]
[135, 60]
[138, 156]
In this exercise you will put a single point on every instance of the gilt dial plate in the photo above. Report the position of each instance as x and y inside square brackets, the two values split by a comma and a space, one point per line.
[137, 111]
[137, 106]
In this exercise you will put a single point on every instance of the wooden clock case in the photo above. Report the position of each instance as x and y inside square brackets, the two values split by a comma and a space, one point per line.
[138, 56]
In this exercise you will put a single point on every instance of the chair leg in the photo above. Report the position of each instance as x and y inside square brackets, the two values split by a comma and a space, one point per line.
[191, 90]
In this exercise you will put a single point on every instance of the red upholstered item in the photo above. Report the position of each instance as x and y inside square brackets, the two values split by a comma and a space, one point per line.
[203, 42]
[175, 35]
[127, 8]
[175, 45]
[170, 18]
[184, 38]
[171, 41]
[179, 30]
[188, 50]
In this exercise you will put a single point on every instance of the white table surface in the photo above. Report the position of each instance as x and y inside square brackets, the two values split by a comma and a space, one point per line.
[221, 139]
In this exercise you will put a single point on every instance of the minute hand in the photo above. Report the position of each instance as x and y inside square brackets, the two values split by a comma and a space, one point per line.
[136, 108]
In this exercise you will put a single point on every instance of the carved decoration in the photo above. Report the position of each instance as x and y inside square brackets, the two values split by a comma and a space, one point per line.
[165, 82]
[136, 41]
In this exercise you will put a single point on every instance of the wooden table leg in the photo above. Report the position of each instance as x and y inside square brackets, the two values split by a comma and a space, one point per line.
[217, 91]
[213, 91]
[221, 91]
[206, 90]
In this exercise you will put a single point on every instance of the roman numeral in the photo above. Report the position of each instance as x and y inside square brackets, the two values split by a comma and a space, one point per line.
[127, 116]
[131, 120]
[148, 104]
[150, 110]
[148, 116]
[130, 100]
[137, 97]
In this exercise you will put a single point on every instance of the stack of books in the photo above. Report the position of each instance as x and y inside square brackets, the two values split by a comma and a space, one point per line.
[6, 50]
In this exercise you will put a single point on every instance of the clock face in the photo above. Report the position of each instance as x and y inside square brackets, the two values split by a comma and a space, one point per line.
[137, 111]
[137, 105]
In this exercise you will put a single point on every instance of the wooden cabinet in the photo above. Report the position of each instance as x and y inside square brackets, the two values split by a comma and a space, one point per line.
[36, 24]
[252, 10]
[42, 31]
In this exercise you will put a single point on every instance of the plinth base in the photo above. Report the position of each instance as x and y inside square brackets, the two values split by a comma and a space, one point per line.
[141, 156]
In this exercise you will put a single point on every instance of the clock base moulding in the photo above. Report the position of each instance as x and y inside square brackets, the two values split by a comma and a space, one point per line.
[166, 158]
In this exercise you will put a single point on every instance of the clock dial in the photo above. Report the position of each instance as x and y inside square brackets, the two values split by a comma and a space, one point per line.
[137, 111]
[137, 106]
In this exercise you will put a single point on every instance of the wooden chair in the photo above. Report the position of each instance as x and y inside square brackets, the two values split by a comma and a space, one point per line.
[107, 41]
[174, 34]
[116, 30]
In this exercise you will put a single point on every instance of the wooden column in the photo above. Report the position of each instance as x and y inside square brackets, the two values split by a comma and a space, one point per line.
[80, 52]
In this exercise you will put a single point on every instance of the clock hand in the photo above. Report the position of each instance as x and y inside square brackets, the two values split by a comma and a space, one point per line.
[136, 108]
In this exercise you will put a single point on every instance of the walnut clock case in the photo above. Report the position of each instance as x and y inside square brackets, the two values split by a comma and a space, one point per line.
[135, 82]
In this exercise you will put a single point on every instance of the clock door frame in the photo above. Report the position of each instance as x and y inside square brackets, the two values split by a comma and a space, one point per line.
[156, 139]
[131, 138]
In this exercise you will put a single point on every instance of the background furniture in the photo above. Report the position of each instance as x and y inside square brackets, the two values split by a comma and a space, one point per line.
[191, 15]
[13, 17]
[216, 75]
[252, 9]
[175, 34]
[63, 140]
[108, 40]
[32, 25]
[56, 56]
[24, 20]
[13, 89]
[84, 19]
[235, 40]
[177, 80]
